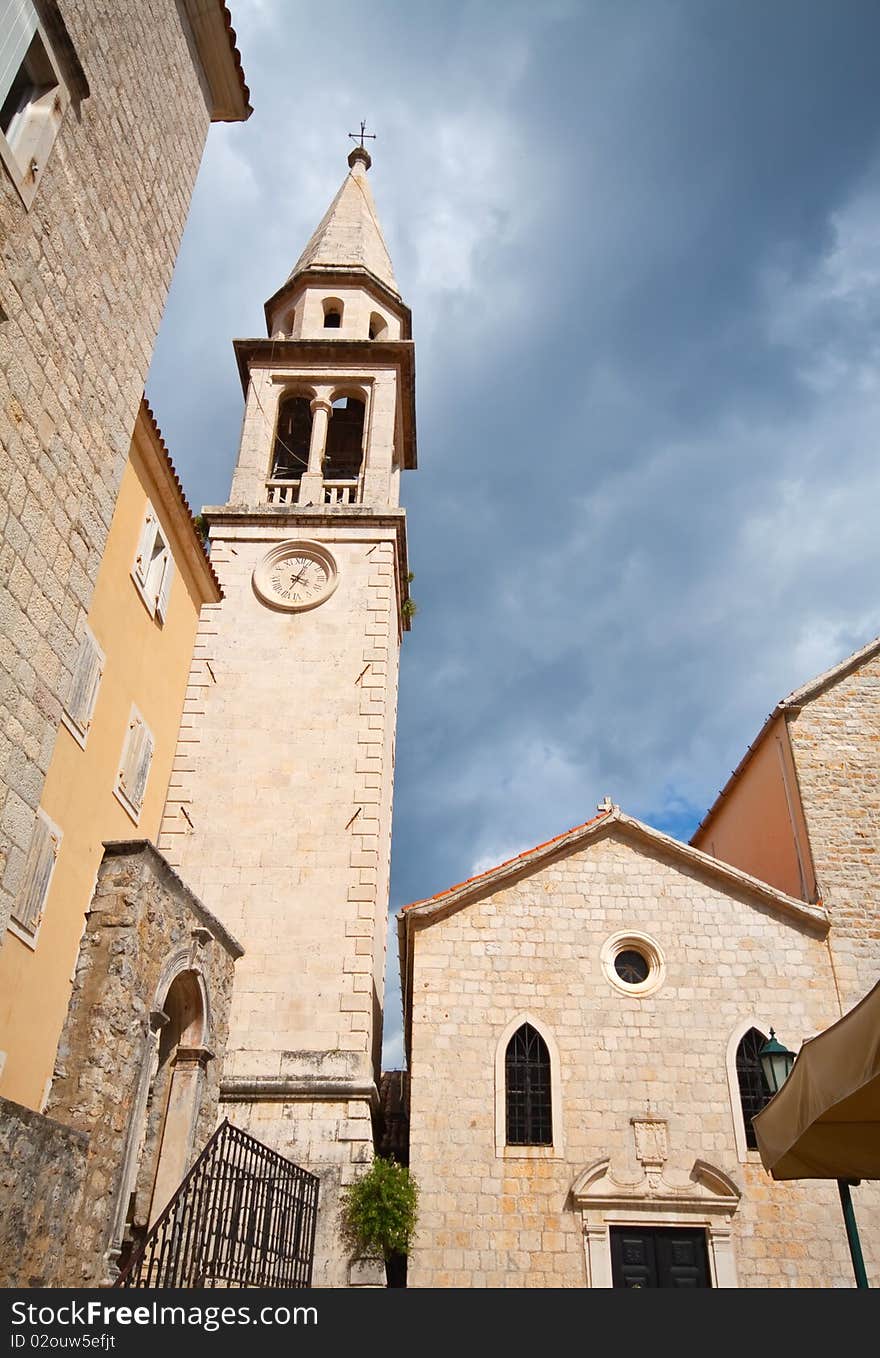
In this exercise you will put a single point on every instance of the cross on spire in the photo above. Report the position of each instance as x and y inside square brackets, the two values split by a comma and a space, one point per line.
[371, 136]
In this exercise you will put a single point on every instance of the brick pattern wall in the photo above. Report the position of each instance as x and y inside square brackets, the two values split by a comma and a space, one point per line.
[85, 273]
[836, 743]
[501, 1220]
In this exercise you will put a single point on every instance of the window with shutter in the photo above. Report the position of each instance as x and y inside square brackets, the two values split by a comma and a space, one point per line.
[33, 96]
[153, 568]
[134, 768]
[165, 587]
[85, 681]
[39, 866]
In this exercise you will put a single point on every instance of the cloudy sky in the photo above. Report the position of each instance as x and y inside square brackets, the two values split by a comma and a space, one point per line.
[641, 243]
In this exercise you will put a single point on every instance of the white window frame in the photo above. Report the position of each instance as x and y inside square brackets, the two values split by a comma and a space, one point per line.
[48, 832]
[26, 146]
[556, 1149]
[153, 569]
[138, 748]
[85, 680]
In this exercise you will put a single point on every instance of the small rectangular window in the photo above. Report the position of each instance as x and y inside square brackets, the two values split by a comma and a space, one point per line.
[39, 867]
[33, 96]
[134, 767]
[153, 569]
[85, 681]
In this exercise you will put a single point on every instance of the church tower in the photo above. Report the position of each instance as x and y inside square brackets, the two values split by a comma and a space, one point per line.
[279, 808]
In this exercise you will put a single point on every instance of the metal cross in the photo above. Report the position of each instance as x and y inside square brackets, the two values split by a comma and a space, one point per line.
[363, 133]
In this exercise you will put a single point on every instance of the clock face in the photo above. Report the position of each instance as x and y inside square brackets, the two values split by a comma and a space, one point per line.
[298, 579]
[296, 576]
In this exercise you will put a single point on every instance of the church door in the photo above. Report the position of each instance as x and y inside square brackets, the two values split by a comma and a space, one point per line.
[657, 1257]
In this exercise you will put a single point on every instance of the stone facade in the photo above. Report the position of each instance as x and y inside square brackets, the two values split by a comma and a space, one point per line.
[42, 1172]
[85, 274]
[835, 737]
[151, 958]
[646, 1131]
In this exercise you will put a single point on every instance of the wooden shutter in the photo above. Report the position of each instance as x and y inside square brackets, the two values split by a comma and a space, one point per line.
[18, 24]
[136, 758]
[40, 864]
[165, 587]
[84, 683]
[145, 546]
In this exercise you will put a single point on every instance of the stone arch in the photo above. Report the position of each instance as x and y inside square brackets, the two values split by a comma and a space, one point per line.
[378, 326]
[162, 1123]
[556, 1148]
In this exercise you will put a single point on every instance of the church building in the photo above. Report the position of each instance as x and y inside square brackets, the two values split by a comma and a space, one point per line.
[583, 1024]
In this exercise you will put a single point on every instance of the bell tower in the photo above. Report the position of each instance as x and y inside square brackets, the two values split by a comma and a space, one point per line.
[279, 809]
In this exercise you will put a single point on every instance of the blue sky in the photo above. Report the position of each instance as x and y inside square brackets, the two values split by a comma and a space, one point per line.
[641, 243]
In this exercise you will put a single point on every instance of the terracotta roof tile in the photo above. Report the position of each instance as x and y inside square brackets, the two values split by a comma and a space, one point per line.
[517, 858]
[147, 409]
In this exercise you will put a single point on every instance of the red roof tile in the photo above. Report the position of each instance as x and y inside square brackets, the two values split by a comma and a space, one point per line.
[517, 858]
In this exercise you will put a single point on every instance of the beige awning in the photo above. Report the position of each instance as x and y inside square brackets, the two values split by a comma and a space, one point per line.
[825, 1121]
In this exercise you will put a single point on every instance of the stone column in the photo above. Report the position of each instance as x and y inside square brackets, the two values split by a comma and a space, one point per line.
[311, 486]
[184, 1099]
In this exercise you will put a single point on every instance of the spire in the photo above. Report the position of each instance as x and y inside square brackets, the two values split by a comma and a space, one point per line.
[349, 236]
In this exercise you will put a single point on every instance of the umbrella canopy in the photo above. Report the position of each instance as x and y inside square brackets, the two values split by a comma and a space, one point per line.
[825, 1121]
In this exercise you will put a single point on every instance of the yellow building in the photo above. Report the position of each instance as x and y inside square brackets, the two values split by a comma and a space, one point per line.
[113, 755]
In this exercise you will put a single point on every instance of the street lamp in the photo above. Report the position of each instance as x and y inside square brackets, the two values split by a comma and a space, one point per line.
[776, 1063]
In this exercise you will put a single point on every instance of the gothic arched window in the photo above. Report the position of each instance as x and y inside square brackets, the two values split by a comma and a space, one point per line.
[754, 1091]
[527, 1089]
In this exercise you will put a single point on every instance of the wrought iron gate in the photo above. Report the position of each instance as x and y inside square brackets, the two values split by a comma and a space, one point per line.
[244, 1216]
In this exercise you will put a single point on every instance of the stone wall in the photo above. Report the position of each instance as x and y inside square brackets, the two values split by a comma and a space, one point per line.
[493, 1215]
[836, 742]
[42, 1171]
[84, 274]
[145, 928]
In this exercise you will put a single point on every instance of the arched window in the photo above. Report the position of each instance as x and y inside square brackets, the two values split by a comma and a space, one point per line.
[378, 326]
[293, 434]
[332, 313]
[753, 1089]
[527, 1089]
[345, 437]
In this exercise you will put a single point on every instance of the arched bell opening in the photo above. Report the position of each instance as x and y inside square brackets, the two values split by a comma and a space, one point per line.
[293, 433]
[345, 439]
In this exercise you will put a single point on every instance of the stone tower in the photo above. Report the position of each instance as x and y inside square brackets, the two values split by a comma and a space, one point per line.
[279, 809]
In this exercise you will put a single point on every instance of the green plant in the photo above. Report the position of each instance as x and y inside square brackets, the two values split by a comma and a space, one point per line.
[409, 608]
[380, 1209]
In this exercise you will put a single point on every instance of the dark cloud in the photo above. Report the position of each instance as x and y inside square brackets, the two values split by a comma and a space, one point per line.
[640, 242]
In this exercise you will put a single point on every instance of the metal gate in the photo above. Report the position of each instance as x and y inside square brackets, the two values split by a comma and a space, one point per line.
[244, 1216]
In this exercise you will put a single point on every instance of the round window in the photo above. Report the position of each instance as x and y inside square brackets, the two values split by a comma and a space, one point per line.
[633, 963]
[631, 966]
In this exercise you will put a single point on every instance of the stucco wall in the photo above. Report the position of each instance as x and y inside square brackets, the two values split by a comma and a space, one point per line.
[759, 825]
[836, 743]
[498, 1218]
[146, 664]
[84, 275]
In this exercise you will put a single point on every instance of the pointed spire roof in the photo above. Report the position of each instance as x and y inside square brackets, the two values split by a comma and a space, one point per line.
[349, 236]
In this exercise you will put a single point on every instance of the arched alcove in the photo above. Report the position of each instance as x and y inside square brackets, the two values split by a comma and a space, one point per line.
[332, 313]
